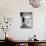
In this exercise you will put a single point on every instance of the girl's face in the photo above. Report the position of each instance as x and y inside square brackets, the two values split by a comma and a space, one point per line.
[28, 22]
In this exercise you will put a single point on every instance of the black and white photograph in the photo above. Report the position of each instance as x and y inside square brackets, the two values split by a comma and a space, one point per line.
[26, 19]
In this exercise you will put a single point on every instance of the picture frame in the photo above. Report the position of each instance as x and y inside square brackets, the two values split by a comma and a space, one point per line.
[27, 19]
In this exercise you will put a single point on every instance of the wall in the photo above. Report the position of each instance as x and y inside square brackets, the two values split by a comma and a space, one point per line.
[12, 8]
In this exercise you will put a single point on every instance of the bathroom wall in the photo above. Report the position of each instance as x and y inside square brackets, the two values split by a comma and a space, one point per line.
[12, 8]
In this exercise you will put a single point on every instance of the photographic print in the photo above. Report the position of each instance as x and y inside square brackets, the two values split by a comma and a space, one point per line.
[26, 19]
